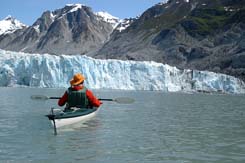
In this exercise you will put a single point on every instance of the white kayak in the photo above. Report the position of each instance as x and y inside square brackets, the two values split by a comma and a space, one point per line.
[63, 118]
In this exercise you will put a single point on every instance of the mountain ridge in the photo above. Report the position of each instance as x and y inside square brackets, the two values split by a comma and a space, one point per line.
[74, 29]
[198, 34]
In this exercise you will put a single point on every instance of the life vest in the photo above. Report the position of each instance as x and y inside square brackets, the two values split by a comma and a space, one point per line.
[77, 98]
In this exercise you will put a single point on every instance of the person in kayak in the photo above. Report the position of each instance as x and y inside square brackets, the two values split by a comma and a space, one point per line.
[78, 95]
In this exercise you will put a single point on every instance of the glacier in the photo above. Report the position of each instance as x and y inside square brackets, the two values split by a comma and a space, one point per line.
[50, 71]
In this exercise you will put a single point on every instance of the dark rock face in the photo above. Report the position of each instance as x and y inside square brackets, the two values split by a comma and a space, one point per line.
[73, 29]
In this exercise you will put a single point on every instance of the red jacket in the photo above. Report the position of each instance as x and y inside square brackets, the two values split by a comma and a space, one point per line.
[92, 99]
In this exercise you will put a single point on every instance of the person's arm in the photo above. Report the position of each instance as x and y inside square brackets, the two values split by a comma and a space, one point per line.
[92, 99]
[62, 101]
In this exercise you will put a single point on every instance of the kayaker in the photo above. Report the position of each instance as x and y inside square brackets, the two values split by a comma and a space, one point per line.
[78, 95]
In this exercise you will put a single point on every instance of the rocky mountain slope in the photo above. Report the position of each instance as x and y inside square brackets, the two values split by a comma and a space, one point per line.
[196, 34]
[74, 29]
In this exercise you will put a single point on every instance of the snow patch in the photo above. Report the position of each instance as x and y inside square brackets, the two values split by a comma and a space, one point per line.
[105, 16]
[230, 9]
[52, 16]
[37, 28]
[10, 25]
[75, 7]
[124, 24]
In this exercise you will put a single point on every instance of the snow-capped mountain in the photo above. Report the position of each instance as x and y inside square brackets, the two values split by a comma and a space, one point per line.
[105, 16]
[10, 25]
[35, 70]
[74, 29]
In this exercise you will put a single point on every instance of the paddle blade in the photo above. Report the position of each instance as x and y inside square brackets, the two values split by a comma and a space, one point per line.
[39, 97]
[124, 100]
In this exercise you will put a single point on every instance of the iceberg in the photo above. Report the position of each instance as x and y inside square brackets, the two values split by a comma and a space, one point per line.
[51, 71]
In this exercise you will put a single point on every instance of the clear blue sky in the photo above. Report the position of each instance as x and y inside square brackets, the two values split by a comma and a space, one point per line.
[27, 11]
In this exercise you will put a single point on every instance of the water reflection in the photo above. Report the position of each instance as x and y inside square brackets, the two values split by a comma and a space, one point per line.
[91, 125]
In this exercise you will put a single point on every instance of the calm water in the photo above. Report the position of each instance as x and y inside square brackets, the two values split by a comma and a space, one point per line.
[158, 127]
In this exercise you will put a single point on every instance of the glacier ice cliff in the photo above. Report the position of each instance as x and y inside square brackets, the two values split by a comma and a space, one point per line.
[35, 70]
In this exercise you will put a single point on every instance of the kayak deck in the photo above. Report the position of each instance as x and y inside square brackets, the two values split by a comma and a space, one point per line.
[70, 113]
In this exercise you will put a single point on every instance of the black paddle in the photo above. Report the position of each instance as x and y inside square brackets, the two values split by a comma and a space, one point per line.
[120, 100]
[55, 130]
